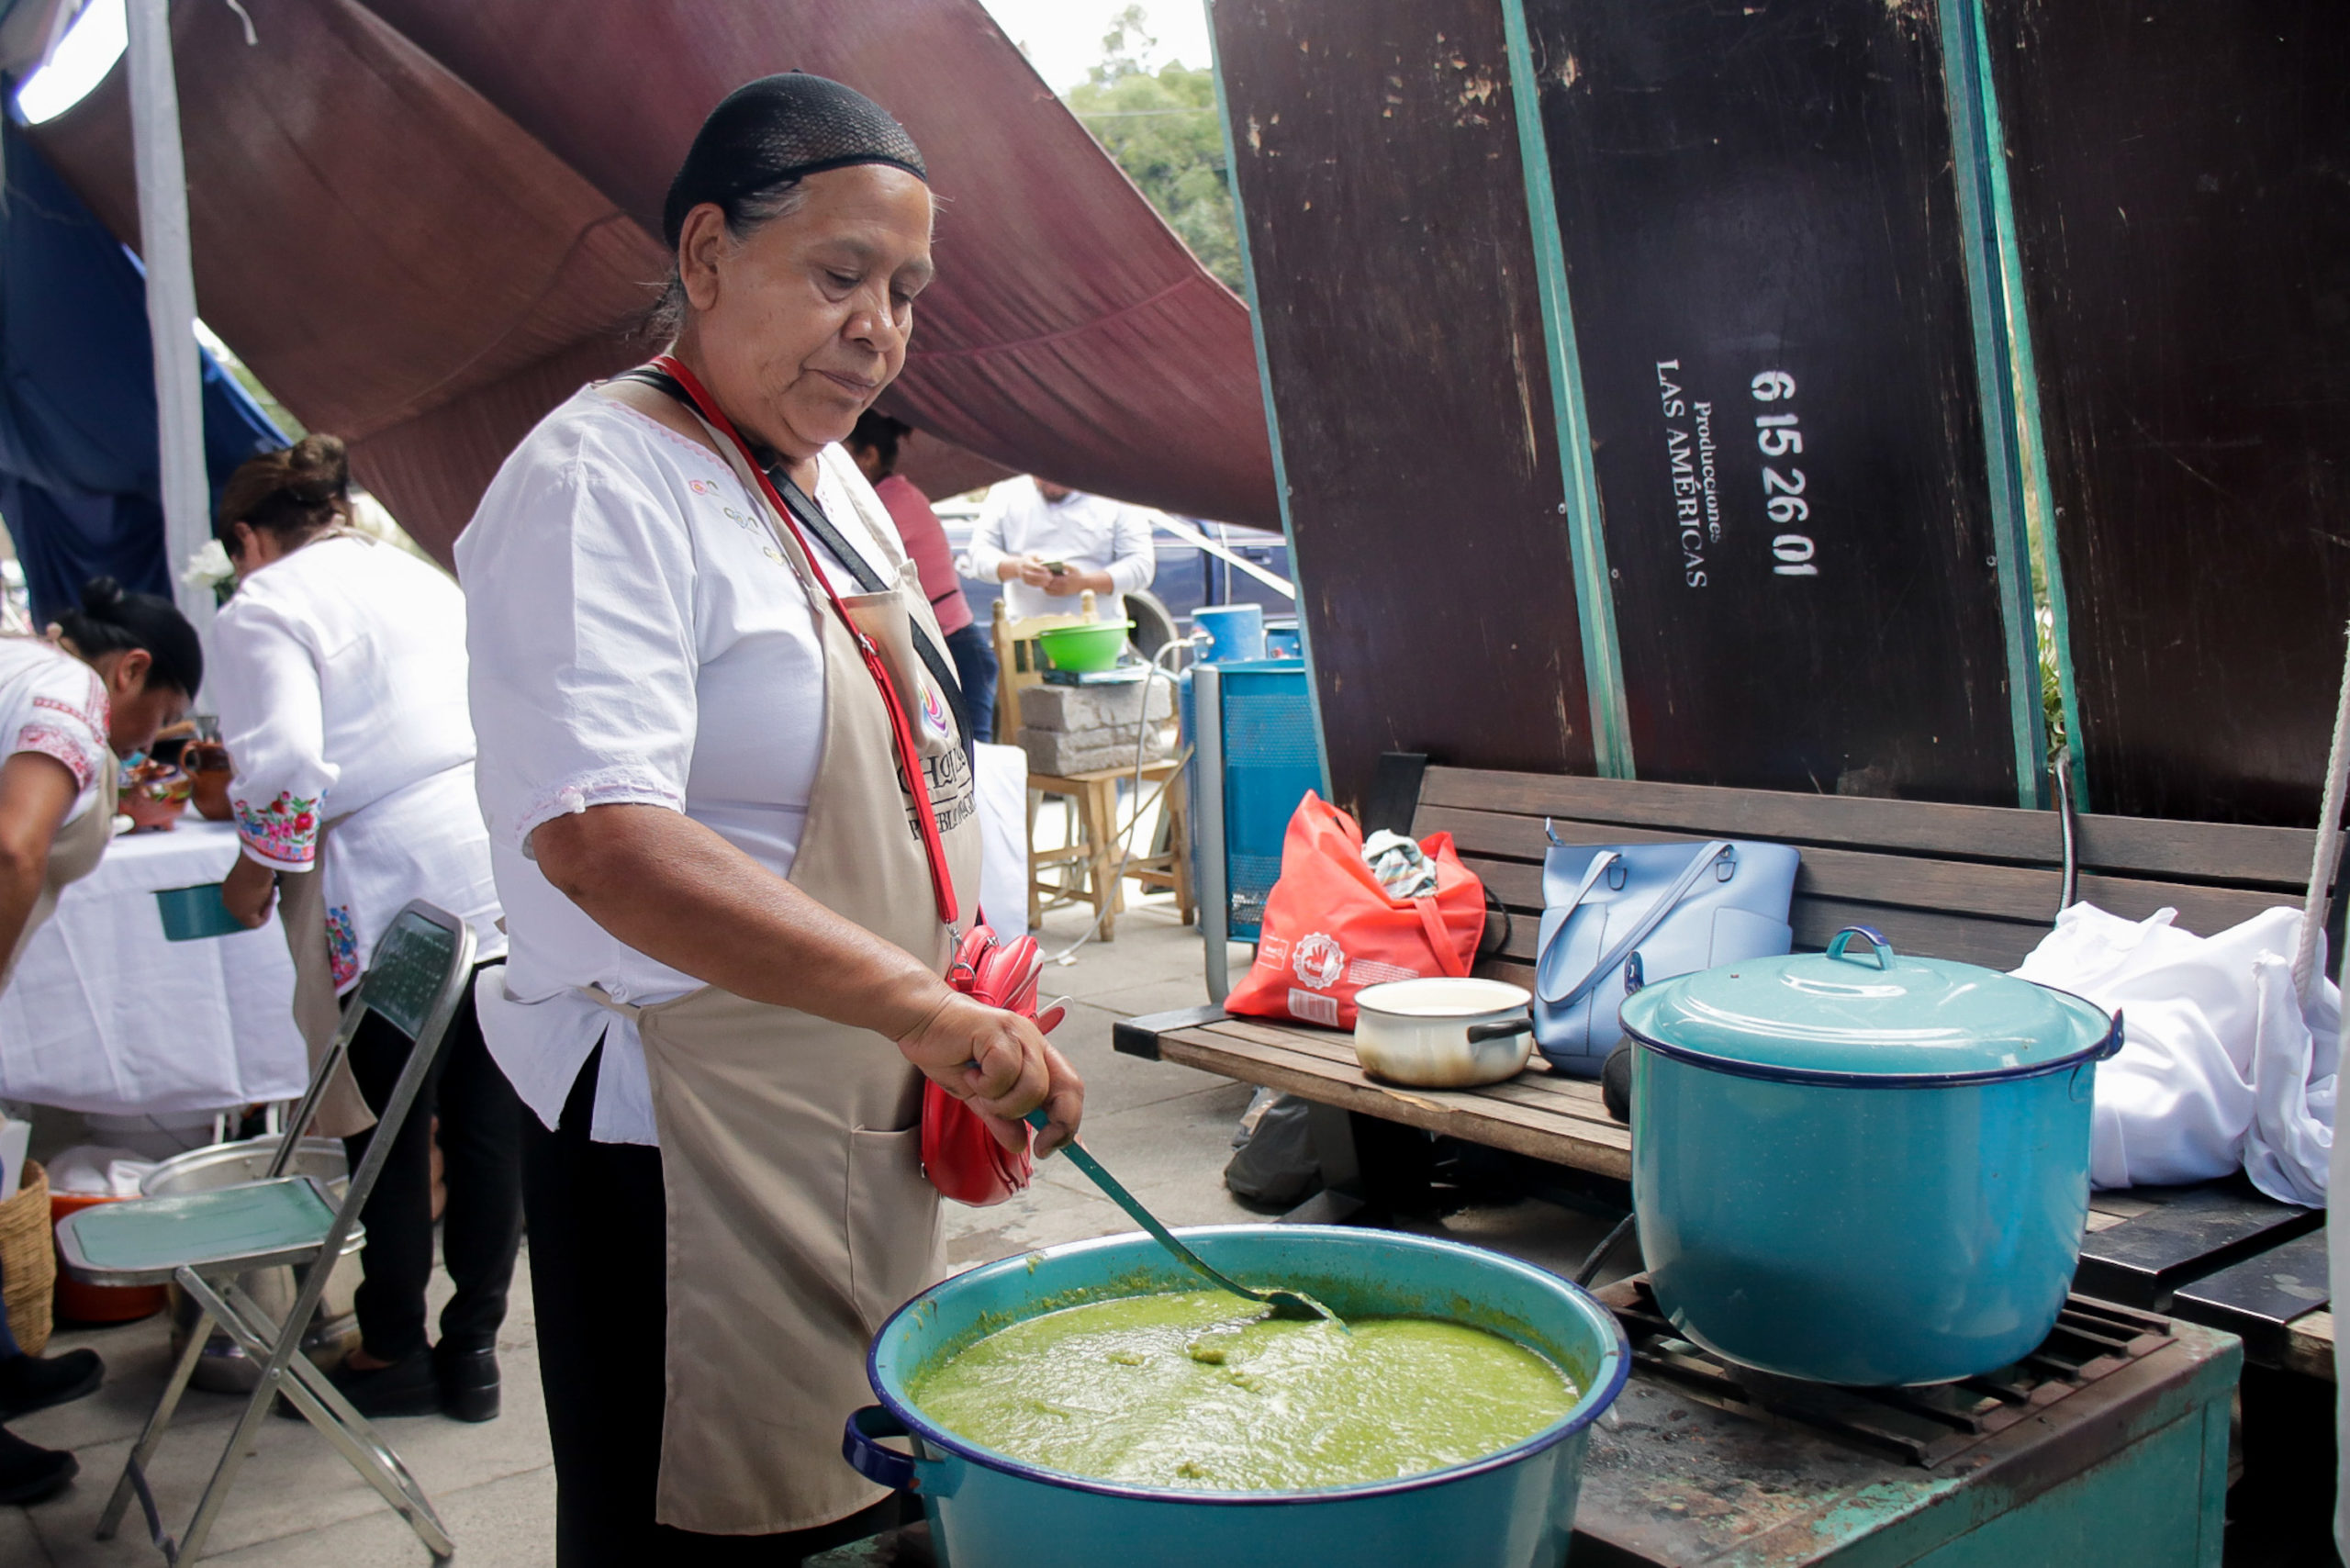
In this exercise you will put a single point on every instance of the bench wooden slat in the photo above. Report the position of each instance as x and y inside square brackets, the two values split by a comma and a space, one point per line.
[1605, 1150]
[1995, 943]
[1493, 848]
[1537, 1090]
[2230, 852]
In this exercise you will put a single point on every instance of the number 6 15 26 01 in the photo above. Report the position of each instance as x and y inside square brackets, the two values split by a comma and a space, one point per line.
[1780, 435]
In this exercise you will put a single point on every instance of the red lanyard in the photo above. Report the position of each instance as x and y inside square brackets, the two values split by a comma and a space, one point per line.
[900, 731]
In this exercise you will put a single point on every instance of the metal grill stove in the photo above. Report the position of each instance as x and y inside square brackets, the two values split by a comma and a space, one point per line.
[2107, 1446]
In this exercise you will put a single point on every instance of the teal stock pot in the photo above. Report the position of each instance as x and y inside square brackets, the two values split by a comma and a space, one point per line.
[1512, 1509]
[1857, 1168]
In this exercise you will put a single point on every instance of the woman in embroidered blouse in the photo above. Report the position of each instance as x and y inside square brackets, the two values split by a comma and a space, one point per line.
[340, 673]
[110, 675]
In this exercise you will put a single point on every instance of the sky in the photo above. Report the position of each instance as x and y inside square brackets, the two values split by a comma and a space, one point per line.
[80, 63]
[1063, 38]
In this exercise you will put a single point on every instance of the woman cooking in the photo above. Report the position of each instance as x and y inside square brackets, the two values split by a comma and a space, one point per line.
[733, 838]
[339, 674]
[108, 677]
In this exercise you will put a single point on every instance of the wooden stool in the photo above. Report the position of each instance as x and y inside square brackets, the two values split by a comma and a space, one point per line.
[1092, 857]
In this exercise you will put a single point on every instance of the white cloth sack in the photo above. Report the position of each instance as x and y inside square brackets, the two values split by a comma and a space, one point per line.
[1002, 783]
[2220, 1069]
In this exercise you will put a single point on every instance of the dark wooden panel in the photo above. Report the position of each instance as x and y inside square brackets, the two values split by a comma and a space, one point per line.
[2184, 221]
[2184, 851]
[1757, 187]
[1140, 1037]
[1378, 168]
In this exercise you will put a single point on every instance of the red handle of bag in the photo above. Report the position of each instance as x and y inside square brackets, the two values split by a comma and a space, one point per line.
[900, 733]
[1432, 922]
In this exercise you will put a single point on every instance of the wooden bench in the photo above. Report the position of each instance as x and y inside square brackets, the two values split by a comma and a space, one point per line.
[1976, 883]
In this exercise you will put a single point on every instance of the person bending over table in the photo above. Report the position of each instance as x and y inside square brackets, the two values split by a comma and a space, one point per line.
[109, 675]
[339, 674]
[874, 443]
[730, 873]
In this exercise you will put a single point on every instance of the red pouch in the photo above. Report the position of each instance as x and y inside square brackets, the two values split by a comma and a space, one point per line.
[959, 1155]
[1330, 929]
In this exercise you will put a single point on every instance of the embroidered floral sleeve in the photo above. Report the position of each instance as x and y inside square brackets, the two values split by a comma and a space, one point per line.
[69, 723]
[282, 832]
[342, 947]
[265, 679]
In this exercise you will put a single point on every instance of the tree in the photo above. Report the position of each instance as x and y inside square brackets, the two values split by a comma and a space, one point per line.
[1161, 127]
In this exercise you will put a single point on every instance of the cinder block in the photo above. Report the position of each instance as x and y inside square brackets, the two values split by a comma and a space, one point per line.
[1063, 752]
[1067, 708]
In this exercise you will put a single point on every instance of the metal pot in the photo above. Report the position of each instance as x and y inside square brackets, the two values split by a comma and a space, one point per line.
[1442, 1033]
[1512, 1509]
[1862, 1168]
[225, 1368]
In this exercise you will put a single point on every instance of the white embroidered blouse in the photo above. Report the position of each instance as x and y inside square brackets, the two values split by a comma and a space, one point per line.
[340, 675]
[53, 703]
[638, 637]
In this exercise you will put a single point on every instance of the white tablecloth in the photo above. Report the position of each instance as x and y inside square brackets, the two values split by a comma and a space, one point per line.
[106, 1016]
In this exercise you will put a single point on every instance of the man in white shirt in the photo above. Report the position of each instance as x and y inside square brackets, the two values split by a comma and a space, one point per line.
[1047, 544]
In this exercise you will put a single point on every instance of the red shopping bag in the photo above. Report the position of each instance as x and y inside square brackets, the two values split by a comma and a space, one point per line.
[1330, 929]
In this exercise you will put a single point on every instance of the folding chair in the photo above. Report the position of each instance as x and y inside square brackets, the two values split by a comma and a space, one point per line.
[203, 1240]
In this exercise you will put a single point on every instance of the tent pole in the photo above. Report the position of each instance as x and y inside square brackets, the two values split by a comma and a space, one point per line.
[171, 296]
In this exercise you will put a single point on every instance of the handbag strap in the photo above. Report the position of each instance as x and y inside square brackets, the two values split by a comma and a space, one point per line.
[809, 514]
[1432, 922]
[1666, 903]
[908, 758]
[1555, 953]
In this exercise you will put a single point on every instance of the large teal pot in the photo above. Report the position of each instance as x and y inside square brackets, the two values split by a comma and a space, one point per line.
[1857, 1169]
[1513, 1509]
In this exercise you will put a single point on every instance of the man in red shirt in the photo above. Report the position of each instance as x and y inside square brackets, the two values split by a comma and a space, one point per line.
[874, 444]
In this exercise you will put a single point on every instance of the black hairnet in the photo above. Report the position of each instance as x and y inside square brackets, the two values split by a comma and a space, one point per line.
[778, 128]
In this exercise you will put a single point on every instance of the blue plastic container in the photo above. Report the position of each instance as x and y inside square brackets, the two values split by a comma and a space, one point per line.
[1856, 1167]
[1513, 1509]
[192, 915]
[1284, 641]
[1236, 632]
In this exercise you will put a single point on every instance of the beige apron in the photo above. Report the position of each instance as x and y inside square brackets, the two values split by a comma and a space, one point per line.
[318, 1007]
[799, 1217]
[74, 854]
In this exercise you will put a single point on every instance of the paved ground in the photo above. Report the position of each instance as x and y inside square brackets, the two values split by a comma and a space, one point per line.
[1165, 1130]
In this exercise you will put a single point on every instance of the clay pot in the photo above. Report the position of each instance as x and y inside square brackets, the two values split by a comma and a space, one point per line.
[153, 795]
[206, 765]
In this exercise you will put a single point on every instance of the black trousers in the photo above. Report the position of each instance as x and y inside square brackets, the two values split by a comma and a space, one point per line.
[599, 1254]
[481, 1126]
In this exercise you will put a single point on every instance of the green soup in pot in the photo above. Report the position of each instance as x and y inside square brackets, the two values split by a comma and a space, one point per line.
[1182, 1390]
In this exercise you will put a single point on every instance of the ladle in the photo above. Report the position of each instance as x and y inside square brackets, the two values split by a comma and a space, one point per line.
[1285, 1304]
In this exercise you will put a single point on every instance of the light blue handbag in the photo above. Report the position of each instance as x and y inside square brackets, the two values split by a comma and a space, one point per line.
[1670, 909]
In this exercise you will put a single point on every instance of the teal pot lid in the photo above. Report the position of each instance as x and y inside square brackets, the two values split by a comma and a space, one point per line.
[1861, 1014]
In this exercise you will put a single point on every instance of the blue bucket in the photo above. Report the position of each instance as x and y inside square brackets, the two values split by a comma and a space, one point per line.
[1236, 632]
[1512, 1509]
[193, 915]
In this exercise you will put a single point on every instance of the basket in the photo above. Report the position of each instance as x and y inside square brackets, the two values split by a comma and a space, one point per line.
[28, 1260]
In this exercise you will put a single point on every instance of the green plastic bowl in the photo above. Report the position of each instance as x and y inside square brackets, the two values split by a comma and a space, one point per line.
[1086, 648]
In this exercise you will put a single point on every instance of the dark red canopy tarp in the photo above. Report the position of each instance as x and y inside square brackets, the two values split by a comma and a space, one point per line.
[423, 223]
